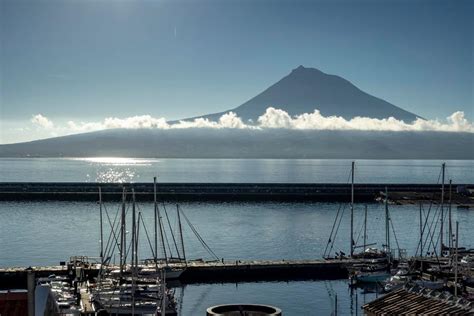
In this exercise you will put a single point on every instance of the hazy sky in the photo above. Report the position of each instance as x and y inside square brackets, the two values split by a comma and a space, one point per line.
[86, 60]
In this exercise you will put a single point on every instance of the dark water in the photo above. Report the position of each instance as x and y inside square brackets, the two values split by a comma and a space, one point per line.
[230, 170]
[45, 233]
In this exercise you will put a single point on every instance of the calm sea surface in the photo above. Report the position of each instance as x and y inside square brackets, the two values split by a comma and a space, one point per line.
[44, 233]
[230, 170]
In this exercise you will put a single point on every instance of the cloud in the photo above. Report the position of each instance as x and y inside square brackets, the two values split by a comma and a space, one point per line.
[42, 121]
[275, 118]
[272, 119]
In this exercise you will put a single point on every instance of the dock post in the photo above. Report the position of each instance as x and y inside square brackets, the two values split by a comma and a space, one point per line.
[30, 281]
[335, 305]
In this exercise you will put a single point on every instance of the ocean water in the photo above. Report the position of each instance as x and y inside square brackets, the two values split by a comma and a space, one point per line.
[230, 170]
[293, 298]
[44, 233]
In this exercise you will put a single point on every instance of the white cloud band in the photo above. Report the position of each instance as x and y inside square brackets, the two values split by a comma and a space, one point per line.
[272, 118]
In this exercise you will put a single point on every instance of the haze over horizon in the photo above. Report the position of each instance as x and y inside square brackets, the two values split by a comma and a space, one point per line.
[85, 61]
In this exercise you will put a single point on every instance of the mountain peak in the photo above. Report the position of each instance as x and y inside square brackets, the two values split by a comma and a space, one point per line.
[307, 89]
[303, 69]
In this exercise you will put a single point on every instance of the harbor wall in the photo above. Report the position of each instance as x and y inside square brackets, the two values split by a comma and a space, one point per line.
[211, 272]
[330, 192]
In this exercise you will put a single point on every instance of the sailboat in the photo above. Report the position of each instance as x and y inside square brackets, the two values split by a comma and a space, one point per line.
[375, 264]
[179, 263]
[174, 261]
[370, 254]
[127, 291]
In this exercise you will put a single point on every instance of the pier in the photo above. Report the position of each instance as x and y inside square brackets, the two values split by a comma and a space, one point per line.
[209, 272]
[325, 192]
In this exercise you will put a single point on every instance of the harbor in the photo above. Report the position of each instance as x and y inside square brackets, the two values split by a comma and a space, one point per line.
[86, 274]
[144, 257]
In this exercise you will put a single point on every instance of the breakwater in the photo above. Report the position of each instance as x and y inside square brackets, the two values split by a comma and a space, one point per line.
[331, 192]
[208, 272]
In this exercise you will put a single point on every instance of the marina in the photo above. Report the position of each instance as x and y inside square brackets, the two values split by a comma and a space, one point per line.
[64, 277]
[147, 240]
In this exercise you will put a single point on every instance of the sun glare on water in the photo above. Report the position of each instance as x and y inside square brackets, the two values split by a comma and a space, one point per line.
[116, 161]
[114, 169]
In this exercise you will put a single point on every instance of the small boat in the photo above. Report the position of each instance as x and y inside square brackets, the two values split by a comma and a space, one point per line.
[468, 261]
[171, 273]
[371, 277]
[432, 285]
[397, 281]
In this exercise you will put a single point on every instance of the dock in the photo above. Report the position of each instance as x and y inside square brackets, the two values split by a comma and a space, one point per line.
[324, 192]
[210, 272]
[413, 300]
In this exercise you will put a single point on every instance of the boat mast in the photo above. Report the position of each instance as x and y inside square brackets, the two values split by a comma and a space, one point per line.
[134, 230]
[352, 209]
[137, 237]
[387, 223]
[456, 262]
[421, 231]
[134, 251]
[160, 225]
[365, 228]
[155, 218]
[450, 225]
[181, 232]
[163, 293]
[101, 228]
[122, 236]
[442, 210]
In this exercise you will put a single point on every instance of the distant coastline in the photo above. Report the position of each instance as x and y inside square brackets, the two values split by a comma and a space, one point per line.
[236, 143]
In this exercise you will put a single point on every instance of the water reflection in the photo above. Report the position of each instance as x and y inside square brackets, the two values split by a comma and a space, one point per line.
[117, 175]
[115, 169]
[230, 170]
[117, 161]
[293, 297]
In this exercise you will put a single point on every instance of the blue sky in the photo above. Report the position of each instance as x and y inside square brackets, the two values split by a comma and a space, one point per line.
[86, 60]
